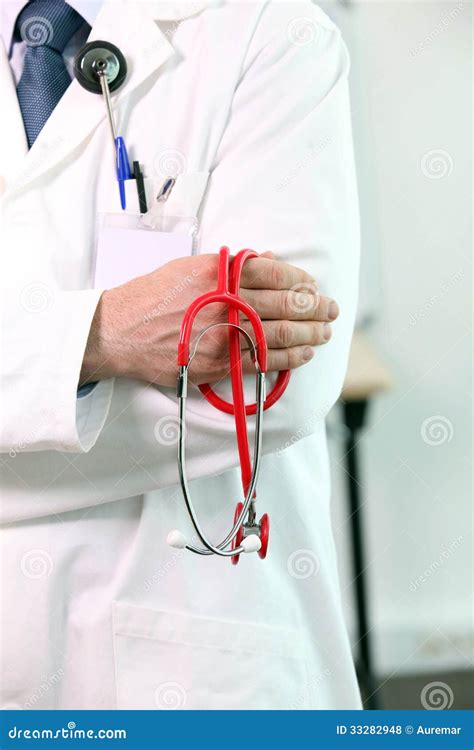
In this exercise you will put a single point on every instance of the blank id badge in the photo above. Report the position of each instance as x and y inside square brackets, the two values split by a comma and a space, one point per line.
[129, 245]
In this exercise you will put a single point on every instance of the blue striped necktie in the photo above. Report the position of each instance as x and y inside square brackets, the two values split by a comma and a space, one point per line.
[46, 27]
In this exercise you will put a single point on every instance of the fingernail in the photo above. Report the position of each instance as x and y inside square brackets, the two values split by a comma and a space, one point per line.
[333, 311]
[327, 331]
[308, 354]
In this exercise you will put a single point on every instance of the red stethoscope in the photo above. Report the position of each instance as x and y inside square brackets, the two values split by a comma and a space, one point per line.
[247, 534]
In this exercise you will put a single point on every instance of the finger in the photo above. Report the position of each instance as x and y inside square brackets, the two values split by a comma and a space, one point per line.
[283, 334]
[282, 305]
[281, 359]
[328, 309]
[265, 273]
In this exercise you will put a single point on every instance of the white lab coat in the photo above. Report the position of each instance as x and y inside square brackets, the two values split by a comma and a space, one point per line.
[248, 102]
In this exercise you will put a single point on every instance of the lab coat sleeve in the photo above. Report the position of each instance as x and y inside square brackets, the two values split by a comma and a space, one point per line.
[44, 335]
[284, 180]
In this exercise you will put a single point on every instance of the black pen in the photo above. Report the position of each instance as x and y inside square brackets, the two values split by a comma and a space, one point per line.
[138, 174]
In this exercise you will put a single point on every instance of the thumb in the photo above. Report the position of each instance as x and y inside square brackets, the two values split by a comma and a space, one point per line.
[268, 254]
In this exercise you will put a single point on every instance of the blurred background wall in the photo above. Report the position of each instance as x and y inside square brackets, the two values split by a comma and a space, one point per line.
[412, 109]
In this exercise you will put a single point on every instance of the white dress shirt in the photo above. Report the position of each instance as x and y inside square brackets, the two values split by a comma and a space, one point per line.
[10, 9]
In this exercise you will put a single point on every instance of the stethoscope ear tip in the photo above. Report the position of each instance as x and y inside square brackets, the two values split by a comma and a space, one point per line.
[176, 539]
[251, 543]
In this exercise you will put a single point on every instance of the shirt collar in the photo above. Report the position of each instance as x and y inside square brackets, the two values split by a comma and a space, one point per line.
[10, 9]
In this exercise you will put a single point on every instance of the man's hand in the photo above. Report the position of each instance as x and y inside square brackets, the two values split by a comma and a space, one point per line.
[135, 330]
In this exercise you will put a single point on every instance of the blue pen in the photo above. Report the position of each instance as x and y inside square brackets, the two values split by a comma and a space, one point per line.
[123, 168]
[121, 157]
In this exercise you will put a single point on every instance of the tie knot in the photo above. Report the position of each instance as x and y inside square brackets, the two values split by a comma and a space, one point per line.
[49, 23]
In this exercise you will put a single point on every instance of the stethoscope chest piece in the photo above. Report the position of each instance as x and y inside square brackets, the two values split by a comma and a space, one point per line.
[96, 59]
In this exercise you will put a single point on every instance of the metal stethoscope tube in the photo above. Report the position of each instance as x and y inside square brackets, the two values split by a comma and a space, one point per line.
[209, 547]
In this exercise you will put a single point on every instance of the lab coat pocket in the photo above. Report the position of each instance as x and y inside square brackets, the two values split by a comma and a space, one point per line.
[184, 198]
[129, 244]
[167, 660]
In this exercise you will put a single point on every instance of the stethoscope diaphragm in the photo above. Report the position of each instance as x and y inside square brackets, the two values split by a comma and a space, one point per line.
[100, 58]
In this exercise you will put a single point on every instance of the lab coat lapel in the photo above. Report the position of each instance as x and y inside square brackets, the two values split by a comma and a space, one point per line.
[177, 10]
[13, 145]
[134, 31]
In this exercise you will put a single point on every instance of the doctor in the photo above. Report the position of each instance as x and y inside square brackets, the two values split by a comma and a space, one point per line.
[246, 105]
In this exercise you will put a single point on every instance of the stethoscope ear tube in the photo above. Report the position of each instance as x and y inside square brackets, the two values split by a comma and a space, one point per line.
[224, 548]
[273, 395]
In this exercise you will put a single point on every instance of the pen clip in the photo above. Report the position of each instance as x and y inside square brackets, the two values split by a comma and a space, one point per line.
[165, 190]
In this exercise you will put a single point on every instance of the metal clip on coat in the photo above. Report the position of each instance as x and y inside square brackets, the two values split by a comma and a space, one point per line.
[247, 534]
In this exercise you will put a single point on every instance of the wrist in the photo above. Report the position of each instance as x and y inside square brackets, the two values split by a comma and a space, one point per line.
[100, 361]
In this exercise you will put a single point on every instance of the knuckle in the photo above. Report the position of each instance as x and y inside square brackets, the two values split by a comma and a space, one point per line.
[271, 362]
[286, 306]
[316, 334]
[294, 358]
[310, 282]
[323, 307]
[277, 276]
[249, 272]
[306, 287]
[285, 334]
